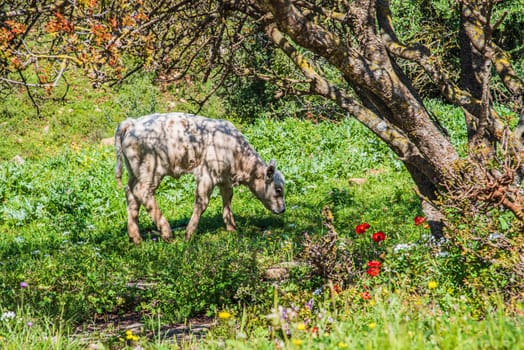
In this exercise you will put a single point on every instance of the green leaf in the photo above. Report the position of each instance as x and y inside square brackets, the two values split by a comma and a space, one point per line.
[503, 223]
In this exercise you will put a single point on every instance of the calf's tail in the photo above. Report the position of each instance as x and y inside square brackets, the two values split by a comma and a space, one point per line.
[119, 135]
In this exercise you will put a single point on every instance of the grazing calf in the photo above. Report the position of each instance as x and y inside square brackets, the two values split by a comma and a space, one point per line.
[174, 144]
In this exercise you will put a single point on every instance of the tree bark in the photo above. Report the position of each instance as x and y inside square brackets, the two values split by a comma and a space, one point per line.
[427, 193]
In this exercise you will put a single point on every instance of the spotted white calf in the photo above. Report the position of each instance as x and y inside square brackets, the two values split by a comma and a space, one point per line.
[174, 144]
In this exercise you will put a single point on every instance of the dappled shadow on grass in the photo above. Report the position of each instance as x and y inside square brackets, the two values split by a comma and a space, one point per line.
[213, 222]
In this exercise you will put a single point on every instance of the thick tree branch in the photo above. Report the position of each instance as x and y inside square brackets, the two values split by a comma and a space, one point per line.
[305, 33]
[505, 70]
[361, 18]
[390, 134]
[370, 75]
[328, 13]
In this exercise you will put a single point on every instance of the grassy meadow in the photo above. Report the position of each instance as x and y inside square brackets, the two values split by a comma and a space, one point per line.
[70, 279]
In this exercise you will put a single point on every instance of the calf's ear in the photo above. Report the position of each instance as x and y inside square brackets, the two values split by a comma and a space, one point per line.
[270, 171]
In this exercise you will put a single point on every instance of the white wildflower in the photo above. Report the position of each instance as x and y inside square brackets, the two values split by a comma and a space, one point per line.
[8, 315]
[402, 247]
[495, 236]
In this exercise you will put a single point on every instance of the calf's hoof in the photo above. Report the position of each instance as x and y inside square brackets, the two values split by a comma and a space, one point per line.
[188, 236]
[135, 240]
[167, 239]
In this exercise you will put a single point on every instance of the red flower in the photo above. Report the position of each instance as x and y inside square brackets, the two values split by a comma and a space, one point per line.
[378, 236]
[373, 267]
[419, 220]
[374, 263]
[337, 289]
[373, 271]
[314, 330]
[361, 228]
[365, 295]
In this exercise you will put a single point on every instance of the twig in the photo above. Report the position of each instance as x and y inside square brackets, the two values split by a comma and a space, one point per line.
[29, 93]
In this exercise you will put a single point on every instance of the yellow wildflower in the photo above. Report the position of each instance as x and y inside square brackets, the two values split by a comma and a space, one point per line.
[432, 284]
[301, 326]
[372, 325]
[342, 345]
[296, 341]
[224, 315]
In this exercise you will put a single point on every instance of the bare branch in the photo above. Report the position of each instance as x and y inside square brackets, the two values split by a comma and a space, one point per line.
[505, 70]
[35, 104]
[328, 13]
[420, 55]
[34, 10]
[150, 23]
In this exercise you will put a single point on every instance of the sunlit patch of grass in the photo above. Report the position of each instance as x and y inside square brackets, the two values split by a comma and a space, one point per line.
[392, 320]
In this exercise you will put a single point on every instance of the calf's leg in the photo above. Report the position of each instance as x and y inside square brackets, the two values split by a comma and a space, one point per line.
[161, 223]
[138, 193]
[203, 191]
[133, 207]
[145, 192]
[226, 191]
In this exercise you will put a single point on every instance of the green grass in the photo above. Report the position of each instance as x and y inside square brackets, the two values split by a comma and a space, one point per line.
[389, 321]
[63, 225]
[84, 116]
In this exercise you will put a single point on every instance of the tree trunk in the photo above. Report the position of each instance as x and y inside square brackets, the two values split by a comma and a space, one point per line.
[427, 195]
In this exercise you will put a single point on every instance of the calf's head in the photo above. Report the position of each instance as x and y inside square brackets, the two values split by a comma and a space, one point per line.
[269, 188]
